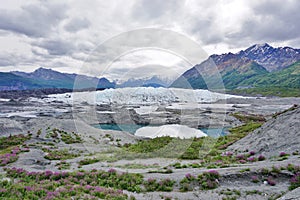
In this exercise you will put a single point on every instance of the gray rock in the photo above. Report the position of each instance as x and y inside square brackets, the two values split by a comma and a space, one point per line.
[280, 134]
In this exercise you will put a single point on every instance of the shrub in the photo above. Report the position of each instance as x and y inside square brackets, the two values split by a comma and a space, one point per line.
[163, 185]
[293, 168]
[261, 158]
[245, 170]
[88, 161]
[251, 159]
[149, 145]
[185, 183]
[190, 177]
[8, 158]
[209, 180]
[63, 165]
[69, 185]
[295, 181]
[276, 169]
[254, 179]
[271, 181]
[265, 171]
[242, 161]
[59, 154]
[70, 138]
[283, 154]
[240, 157]
[10, 141]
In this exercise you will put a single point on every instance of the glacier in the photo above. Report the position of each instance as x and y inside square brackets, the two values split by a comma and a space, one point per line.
[141, 96]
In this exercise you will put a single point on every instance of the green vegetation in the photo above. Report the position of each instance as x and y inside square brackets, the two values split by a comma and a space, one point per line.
[284, 83]
[88, 161]
[66, 185]
[245, 170]
[94, 184]
[187, 183]
[8, 79]
[165, 185]
[62, 154]
[246, 118]
[151, 145]
[252, 122]
[157, 147]
[11, 146]
[209, 180]
[164, 171]
[245, 78]
[236, 134]
[268, 91]
[252, 192]
[68, 138]
[294, 107]
[295, 181]
[137, 166]
[206, 181]
[237, 77]
[13, 140]
[63, 165]
[229, 192]
[206, 148]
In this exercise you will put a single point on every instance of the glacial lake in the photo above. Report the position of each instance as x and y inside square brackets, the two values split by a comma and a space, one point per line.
[131, 128]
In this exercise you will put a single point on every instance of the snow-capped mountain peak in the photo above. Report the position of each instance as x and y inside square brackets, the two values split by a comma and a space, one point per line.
[269, 57]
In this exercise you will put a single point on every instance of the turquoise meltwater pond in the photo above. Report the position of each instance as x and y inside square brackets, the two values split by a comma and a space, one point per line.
[131, 128]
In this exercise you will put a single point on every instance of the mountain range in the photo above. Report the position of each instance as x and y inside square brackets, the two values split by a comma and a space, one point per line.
[260, 68]
[257, 69]
[48, 78]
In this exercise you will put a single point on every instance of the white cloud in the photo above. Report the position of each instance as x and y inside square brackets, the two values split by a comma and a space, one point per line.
[64, 35]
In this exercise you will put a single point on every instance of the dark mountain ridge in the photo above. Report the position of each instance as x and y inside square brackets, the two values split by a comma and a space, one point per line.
[48, 78]
[258, 66]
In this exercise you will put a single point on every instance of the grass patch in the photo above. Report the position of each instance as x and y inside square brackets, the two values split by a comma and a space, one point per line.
[246, 118]
[68, 138]
[94, 184]
[63, 165]
[13, 140]
[137, 166]
[294, 107]
[269, 91]
[62, 154]
[150, 145]
[166, 171]
[88, 161]
[236, 134]
[209, 180]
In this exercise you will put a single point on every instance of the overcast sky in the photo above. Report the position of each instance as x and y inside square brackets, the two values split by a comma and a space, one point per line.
[61, 36]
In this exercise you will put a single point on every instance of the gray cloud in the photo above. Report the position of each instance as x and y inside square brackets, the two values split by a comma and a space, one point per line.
[77, 24]
[11, 59]
[272, 21]
[154, 9]
[66, 34]
[33, 20]
[8, 60]
[56, 47]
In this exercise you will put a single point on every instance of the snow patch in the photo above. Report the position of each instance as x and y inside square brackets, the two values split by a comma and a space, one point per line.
[5, 100]
[173, 130]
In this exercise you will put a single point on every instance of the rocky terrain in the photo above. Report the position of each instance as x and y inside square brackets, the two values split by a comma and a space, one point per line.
[279, 134]
[258, 166]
